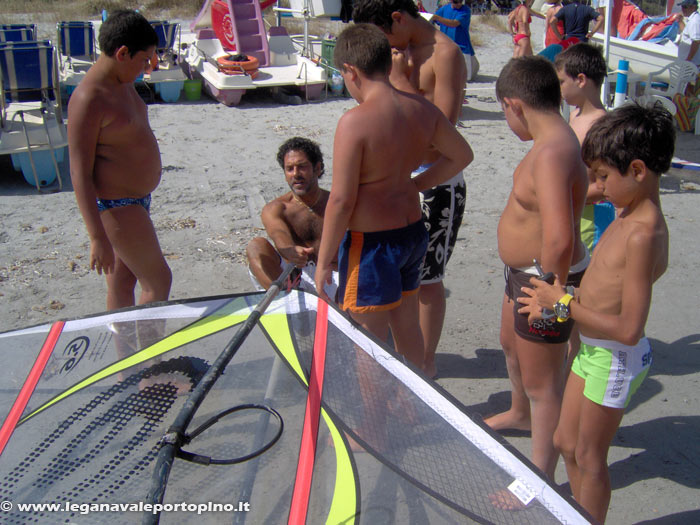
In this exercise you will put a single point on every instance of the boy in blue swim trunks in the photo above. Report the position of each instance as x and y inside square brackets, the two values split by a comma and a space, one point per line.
[374, 206]
[628, 150]
[115, 164]
[429, 63]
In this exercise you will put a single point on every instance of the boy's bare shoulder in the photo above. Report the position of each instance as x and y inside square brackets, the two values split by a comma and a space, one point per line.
[445, 47]
[649, 230]
[558, 147]
[90, 95]
[368, 109]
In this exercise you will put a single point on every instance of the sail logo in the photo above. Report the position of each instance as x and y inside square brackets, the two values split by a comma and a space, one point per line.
[74, 353]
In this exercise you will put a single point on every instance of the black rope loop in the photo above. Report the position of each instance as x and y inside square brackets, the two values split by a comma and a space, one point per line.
[205, 460]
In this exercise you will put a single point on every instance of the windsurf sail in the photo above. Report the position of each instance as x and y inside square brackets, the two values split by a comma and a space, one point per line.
[86, 403]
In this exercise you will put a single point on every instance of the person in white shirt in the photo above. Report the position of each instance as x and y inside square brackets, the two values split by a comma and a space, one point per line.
[690, 37]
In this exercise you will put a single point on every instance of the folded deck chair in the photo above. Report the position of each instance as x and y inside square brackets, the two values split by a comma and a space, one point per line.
[17, 32]
[168, 35]
[31, 117]
[76, 43]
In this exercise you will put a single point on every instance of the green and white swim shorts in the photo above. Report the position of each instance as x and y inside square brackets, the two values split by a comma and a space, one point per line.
[612, 371]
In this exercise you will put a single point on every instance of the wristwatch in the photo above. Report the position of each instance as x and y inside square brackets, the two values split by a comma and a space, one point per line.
[561, 307]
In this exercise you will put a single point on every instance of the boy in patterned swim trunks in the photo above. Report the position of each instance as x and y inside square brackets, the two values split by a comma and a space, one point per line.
[377, 146]
[628, 150]
[115, 164]
[540, 221]
[427, 62]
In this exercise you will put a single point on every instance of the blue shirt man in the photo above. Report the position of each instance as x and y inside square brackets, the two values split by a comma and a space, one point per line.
[454, 19]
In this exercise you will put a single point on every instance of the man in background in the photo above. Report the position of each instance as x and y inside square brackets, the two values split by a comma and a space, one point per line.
[453, 19]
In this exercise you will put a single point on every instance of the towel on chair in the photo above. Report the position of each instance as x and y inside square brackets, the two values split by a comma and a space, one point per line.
[687, 109]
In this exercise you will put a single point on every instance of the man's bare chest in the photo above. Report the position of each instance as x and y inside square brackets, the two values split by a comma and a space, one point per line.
[306, 226]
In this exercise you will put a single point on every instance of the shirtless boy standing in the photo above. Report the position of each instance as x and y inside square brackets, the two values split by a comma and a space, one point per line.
[427, 62]
[581, 70]
[540, 221]
[377, 146]
[115, 163]
[628, 150]
[294, 221]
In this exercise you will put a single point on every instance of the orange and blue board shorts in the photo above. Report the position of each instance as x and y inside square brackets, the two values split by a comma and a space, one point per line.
[378, 268]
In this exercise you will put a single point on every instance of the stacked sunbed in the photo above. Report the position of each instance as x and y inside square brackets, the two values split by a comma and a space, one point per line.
[32, 130]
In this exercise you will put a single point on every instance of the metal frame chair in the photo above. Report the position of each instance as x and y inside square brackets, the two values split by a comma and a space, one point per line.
[168, 33]
[31, 118]
[17, 32]
[76, 41]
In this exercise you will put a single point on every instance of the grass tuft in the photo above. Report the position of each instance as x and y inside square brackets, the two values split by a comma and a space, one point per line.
[492, 20]
[83, 10]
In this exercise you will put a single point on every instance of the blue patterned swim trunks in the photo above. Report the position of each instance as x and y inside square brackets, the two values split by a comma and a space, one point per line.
[108, 204]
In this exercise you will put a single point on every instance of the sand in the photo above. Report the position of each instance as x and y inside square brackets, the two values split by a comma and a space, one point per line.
[219, 168]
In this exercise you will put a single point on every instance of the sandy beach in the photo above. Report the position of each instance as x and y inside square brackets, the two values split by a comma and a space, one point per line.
[219, 169]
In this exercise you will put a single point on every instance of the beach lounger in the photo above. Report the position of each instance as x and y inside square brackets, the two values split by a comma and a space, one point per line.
[167, 77]
[168, 36]
[31, 121]
[76, 42]
[17, 32]
[77, 52]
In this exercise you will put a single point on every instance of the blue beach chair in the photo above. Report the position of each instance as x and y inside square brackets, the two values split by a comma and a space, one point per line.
[167, 77]
[17, 32]
[77, 52]
[31, 121]
[75, 41]
[168, 34]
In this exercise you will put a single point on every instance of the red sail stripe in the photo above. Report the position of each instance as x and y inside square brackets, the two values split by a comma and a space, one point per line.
[307, 452]
[30, 383]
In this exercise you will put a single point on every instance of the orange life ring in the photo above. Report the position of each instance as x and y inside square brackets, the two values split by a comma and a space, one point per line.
[229, 65]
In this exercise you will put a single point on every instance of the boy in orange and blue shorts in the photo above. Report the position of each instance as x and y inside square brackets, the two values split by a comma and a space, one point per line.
[374, 207]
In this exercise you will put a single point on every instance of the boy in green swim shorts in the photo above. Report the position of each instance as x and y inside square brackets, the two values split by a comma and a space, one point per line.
[627, 150]
[581, 70]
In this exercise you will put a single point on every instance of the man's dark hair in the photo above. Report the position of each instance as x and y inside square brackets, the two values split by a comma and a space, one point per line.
[365, 47]
[126, 28]
[306, 146]
[378, 12]
[531, 79]
[632, 132]
[583, 58]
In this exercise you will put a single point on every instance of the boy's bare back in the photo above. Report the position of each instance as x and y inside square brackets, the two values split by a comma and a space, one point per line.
[392, 132]
[110, 119]
[552, 171]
